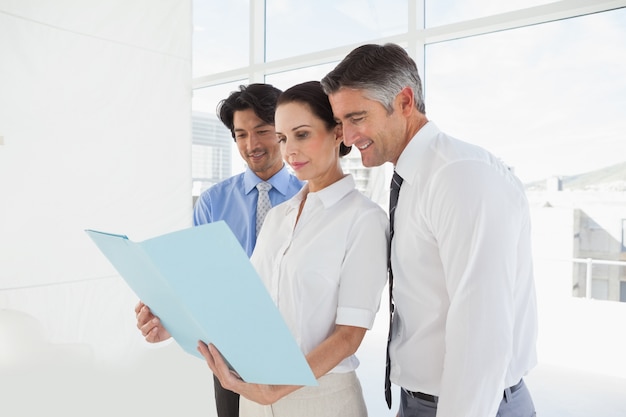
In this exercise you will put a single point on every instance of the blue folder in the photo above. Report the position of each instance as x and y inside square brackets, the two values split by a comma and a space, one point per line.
[201, 284]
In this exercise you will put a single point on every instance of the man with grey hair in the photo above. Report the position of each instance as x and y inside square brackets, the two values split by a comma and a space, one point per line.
[462, 296]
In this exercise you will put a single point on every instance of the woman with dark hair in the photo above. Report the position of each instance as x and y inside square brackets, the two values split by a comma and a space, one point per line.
[322, 257]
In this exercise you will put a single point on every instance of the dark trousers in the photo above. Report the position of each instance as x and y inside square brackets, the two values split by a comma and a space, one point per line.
[226, 402]
[516, 404]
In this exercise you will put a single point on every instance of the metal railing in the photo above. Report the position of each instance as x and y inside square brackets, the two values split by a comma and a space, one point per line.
[589, 272]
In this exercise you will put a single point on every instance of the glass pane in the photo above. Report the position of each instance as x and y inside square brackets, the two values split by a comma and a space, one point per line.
[221, 32]
[284, 80]
[214, 154]
[600, 289]
[547, 99]
[439, 12]
[296, 27]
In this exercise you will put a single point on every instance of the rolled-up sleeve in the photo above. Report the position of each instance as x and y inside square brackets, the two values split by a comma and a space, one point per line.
[364, 270]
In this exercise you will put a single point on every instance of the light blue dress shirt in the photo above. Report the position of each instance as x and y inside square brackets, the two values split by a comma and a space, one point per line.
[234, 201]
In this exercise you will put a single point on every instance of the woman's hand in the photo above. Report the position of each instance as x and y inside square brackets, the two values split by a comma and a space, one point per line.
[343, 342]
[259, 393]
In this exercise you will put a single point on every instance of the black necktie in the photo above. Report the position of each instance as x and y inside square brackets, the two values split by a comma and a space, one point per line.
[396, 182]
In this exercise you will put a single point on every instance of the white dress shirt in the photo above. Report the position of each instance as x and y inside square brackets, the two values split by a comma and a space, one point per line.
[330, 267]
[466, 323]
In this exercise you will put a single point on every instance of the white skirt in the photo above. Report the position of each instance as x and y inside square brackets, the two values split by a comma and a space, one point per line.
[337, 395]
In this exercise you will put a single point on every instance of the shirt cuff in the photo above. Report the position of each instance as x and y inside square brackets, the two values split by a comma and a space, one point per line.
[347, 316]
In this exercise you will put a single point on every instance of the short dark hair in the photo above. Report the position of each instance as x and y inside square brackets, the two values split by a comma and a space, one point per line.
[261, 98]
[381, 71]
[311, 94]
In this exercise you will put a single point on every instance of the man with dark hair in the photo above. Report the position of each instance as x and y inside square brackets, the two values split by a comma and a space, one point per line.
[249, 115]
[243, 199]
[462, 295]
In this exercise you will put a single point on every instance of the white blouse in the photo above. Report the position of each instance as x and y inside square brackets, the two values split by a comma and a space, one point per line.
[330, 267]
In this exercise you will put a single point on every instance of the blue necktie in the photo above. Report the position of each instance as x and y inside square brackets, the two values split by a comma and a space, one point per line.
[396, 182]
[263, 204]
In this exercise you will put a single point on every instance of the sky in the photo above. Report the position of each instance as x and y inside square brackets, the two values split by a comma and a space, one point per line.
[547, 99]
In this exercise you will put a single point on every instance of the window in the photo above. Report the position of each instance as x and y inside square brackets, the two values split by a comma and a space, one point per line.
[284, 80]
[214, 154]
[221, 32]
[296, 27]
[532, 93]
[525, 93]
[439, 12]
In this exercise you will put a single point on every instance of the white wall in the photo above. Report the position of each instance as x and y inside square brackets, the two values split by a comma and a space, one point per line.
[95, 114]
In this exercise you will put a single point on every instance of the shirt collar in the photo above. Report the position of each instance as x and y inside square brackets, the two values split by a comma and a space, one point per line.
[327, 196]
[407, 165]
[279, 181]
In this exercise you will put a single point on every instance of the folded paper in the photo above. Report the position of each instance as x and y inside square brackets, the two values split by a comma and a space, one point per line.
[201, 284]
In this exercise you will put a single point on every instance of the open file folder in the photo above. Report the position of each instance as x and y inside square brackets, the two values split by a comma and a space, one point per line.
[202, 286]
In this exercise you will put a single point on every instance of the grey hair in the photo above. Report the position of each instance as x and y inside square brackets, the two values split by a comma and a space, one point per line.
[381, 71]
